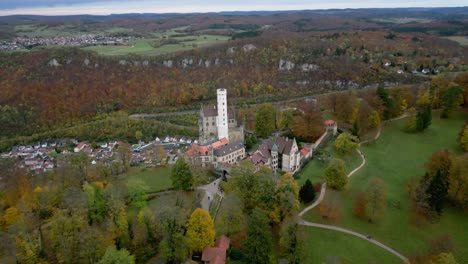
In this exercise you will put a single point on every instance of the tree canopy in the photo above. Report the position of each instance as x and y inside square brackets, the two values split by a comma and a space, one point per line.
[335, 174]
[265, 120]
[200, 231]
[181, 175]
[258, 245]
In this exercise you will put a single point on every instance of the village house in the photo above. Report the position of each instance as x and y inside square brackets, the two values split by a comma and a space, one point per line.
[216, 254]
[229, 154]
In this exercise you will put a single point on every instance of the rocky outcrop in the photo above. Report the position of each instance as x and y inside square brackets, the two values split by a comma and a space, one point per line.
[86, 62]
[285, 65]
[231, 50]
[123, 62]
[145, 63]
[54, 63]
[249, 47]
[207, 63]
[309, 67]
[168, 63]
[186, 62]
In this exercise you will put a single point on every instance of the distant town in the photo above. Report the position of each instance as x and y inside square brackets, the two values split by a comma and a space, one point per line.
[20, 43]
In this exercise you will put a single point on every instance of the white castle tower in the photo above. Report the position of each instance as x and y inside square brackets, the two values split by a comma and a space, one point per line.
[222, 121]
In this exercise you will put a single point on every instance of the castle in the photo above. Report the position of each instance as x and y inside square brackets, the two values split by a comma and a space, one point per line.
[221, 139]
[218, 121]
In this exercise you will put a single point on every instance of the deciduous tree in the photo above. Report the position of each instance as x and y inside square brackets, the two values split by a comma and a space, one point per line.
[115, 256]
[292, 244]
[181, 175]
[463, 138]
[345, 143]
[360, 204]
[200, 231]
[230, 220]
[376, 199]
[458, 181]
[265, 120]
[335, 174]
[287, 196]
[444, 258]
[258, 245]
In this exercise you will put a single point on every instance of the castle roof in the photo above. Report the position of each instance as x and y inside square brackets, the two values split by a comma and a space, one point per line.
[212, 111]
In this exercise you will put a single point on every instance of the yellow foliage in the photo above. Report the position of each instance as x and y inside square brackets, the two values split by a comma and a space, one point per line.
[464, 139]
[200, 230]
[99, 184]
[424, 97]
[11, 215]
[38, 189]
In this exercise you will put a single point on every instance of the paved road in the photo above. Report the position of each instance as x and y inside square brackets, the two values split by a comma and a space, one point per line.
[211, 189]
[343, 230]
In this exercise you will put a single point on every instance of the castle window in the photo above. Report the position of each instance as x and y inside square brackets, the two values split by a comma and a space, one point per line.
[213, 123]
[207, 124]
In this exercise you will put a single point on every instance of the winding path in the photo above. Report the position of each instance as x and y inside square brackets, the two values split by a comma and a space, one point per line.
[343, 230]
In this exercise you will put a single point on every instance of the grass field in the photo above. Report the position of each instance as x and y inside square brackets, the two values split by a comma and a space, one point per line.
[144, 47]
[156, 179]
[327, 244]
[462, 40]
[396, 157]
[402, 20]
[315, 169]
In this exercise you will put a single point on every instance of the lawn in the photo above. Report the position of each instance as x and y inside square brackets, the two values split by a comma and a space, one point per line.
[396, 157]
[328, 244]
[315, 169]
[144, 47]
[156, 179]
[462, 40]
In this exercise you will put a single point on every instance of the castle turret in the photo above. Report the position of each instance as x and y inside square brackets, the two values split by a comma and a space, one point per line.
[222, 120]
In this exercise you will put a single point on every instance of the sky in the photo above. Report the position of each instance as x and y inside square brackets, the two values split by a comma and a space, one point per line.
[106, 7]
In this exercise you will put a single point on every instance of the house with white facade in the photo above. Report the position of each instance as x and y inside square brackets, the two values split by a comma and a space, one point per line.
[279, 153]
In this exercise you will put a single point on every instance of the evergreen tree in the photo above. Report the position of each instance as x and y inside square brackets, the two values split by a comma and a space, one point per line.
[355, 129]
[292, 244]
[437, 192]
[258, 245]
[423, 117]
[181, 175]
[387, 102]
[307, 192]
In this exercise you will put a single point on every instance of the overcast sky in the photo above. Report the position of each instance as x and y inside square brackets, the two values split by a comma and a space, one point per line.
[105, 7]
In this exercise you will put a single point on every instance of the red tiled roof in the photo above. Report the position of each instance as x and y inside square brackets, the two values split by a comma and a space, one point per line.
[220, 143]
[196, 149]
[304, 152]
[223, 242]
[329, 122]
[216, 255]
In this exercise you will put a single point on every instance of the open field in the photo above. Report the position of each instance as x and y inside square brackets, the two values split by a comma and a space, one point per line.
[327, 244]
[145, 47]
[155, 179]
[396, 157]
[402, 20]
[462, 40]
